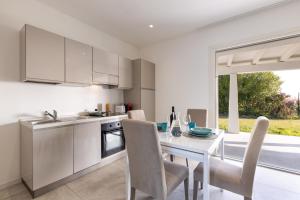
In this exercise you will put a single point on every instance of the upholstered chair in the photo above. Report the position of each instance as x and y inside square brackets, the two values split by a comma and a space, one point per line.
[149, 173]
[199, 116]
[137, 115]
[233, 178]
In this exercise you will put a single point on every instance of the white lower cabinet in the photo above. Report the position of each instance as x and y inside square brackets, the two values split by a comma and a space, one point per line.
[53, 155]
[87, 145]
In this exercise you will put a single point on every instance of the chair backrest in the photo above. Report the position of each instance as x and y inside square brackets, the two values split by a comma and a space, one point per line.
[252, 151]
[199, 116]
[146, 166]
[137, 115]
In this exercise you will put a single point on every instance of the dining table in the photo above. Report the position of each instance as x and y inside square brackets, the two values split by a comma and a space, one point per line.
[191, 147]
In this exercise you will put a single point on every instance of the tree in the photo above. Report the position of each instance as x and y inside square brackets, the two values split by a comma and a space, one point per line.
[259, 94]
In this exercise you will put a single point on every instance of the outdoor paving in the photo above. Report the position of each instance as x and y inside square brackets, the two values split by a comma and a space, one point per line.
[278, 150]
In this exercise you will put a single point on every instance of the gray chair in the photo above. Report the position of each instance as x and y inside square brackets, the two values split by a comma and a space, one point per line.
[149, 173]
[137, 115]
[199, 116]
[233, 178]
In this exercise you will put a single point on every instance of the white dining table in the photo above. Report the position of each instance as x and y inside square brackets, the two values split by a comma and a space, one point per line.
[193, 148]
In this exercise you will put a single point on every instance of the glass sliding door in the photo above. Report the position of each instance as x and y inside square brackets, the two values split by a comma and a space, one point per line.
[270, 94]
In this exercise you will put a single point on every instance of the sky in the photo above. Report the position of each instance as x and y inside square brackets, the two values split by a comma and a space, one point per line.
[291, 81]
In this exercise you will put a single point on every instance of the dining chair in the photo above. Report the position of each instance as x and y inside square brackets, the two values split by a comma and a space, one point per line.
[149, 173]
[137, 115]
[199, 116]
[231, 177]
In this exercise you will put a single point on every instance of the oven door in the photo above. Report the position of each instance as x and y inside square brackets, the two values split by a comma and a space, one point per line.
[112, 142]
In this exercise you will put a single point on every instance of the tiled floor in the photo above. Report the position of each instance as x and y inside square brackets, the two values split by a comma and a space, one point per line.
[278, 150]
[108, 184]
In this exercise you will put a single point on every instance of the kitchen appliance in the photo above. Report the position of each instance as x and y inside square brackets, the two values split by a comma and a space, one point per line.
[120, 109]
[112, 138]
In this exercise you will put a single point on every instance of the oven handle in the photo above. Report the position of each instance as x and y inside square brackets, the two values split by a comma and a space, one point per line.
[114, 132]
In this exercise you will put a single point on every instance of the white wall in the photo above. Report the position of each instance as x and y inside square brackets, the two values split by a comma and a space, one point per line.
[18, 99]
[183, 64]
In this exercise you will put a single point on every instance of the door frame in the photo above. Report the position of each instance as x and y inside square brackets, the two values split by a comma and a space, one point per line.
[213, 75]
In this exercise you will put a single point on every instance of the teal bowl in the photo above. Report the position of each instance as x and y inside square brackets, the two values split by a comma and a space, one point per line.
[192, 125]
[163, 126]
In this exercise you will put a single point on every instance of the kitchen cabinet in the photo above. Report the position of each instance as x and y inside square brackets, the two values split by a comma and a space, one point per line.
[52, 155]
[125, 73]
[42, 56]
[105, 79]
[147, 74]
[87, 145]
[142, 94]
[105, 62]
[78, 62]
[148, 103]
[105, 67]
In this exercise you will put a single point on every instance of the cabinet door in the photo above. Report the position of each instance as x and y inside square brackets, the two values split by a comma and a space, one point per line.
[44, 56]
[105, 79]
[105, 62]
[125, 73]
[87, 145]
[147, 75]
[54, 155]
[79, 62]
[148, 103]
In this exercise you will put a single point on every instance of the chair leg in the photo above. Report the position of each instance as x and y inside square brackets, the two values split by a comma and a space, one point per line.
[247, 198]
[186, 188]
[132, 194]
[172, 158]
[195, 191]
[187, 162]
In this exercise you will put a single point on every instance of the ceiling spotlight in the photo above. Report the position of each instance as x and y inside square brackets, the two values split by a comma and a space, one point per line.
[151, 26]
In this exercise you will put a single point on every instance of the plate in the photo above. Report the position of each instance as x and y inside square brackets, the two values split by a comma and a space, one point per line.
[201, 135]
[201, 131]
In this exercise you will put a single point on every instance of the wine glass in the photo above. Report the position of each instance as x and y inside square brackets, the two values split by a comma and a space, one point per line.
[185, 121]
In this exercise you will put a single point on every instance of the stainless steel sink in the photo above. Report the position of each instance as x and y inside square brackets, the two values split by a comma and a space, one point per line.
[47, 121]
[65, 119]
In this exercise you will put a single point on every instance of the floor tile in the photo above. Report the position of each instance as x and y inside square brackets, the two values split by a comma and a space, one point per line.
[13, 190]
[108, 183]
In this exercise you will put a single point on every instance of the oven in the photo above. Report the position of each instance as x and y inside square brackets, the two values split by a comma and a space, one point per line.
[112, 138]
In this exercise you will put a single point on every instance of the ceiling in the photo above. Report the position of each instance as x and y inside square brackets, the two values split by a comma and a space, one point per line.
[129, 20]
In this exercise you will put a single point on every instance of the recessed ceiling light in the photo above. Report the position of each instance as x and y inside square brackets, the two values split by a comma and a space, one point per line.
[151, 26]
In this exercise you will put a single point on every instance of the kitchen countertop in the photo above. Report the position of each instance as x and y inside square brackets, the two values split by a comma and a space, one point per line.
[70, 120]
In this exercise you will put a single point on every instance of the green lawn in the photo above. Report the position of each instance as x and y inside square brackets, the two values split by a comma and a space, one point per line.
[280, 127]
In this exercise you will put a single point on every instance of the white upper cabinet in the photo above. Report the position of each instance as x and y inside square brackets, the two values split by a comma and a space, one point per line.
[78, 62]
[147, 75]
[42, 56]
[105, 67]
[125, 73]
[105, 62]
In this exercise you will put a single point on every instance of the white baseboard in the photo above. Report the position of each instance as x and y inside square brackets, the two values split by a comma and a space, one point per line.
[10, 183]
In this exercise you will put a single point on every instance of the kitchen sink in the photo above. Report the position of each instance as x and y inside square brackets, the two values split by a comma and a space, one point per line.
[45, 121]
[65, 119]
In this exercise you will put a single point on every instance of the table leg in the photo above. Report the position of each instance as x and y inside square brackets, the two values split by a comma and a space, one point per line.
[222, 149]
[206, 177]
[127, 179]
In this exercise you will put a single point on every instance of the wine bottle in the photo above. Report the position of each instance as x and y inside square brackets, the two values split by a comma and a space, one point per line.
[172, 116]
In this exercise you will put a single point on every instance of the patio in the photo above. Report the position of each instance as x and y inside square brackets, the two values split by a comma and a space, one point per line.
[282, 152]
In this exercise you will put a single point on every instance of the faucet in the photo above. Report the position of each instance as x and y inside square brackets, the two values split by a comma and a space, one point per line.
[54, 115]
